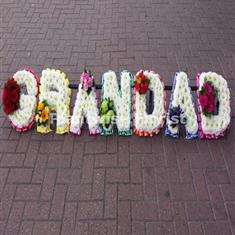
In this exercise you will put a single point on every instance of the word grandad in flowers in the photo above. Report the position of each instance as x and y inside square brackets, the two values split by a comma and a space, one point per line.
[123, 106]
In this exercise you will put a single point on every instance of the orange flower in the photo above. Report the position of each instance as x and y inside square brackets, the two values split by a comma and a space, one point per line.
[44, 115]
[40, 106]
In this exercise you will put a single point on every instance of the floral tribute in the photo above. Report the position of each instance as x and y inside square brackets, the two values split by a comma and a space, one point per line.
[213, 105]
[122, 102]
[19, 107]
[54, 89]
[123, 106]
[85, 106]
[181, 109]
[149, 124]
[11, 96]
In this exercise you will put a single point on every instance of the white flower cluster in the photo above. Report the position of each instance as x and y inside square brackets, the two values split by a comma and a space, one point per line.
[24, 116]
[181, 97]
[54, 88]
[216, 124]
[85, 107]
[150, 123]
[122, 98]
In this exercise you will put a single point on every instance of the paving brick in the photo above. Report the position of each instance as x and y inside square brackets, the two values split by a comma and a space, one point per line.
[48, 184]
[37, 210]
[195, 228]
[59, 161]
[144, 211]
[12, 160]
[79, 192]
[14, 219]
[49, 227]
[117, 175]
[26, 228]
[182, 192]
[20, 175]
[130, 192]
[90, 210]
[217, 176]
[29, 192]
[136, 169]
[217, 228]
[149, 183]
[199, 211]
[69, 219]
[98, 184]
[159, 228]
[164, 202]
[7, 146]
[58, 201]
[103, 227]
[6, 201]
[110, 207]
[106, 160]
[124, 218]
[200, 184]
[123, 153]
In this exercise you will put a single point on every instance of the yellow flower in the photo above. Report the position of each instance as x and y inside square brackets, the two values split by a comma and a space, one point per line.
[44, 115]
[40, 106]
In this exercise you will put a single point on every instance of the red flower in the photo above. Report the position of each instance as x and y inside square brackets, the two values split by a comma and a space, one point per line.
[11, 83]
[208, 89]
[137, 87]
[10, 108]
[203, 101]
[14, 96]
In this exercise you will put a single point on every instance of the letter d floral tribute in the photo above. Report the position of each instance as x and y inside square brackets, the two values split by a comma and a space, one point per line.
[26, 100]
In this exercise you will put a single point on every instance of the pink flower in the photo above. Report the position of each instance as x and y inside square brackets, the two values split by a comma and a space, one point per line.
[86, 80]
[203, 101]
[209, 108]
[208, 89]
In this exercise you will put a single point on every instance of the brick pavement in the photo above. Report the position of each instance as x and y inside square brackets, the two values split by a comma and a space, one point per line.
[56, 184]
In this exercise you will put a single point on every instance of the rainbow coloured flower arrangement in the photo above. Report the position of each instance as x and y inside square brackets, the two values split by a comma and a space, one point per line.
[208, 98]
[43, 114]
[87, 81]
[141, 82]
[11, 96]
[107, 114]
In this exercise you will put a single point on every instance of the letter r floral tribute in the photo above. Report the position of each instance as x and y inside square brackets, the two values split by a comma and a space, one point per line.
[19, 99]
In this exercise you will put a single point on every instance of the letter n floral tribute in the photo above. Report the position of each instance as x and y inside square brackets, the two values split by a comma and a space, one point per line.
[116, 106]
